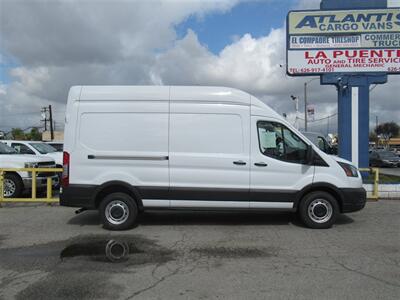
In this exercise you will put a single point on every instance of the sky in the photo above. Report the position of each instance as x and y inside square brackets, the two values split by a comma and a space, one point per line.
[46, 46]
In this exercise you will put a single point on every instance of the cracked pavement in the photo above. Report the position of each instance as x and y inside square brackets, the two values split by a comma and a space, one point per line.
[50, 253]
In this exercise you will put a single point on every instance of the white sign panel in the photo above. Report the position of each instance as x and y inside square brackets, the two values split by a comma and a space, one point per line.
[320, 42]
[348, 60]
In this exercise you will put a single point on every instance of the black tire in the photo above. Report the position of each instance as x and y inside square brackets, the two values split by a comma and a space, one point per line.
[319, 210]
[118, 211]
[17, 185]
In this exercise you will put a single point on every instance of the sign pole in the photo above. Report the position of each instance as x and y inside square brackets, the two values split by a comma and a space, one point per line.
[353, 98]
[350, 44]
[353, 113]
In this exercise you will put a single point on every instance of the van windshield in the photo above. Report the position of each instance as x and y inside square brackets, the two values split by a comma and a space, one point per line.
[43, 148]
[4, 149]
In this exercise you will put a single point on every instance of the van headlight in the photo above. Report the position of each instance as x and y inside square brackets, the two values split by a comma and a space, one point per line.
[350, 170]
[31, 165]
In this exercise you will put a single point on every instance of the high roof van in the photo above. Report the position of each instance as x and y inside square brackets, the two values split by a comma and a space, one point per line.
[128, 149]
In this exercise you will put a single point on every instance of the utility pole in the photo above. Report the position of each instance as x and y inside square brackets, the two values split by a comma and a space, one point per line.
[51, 123]
[44, 117]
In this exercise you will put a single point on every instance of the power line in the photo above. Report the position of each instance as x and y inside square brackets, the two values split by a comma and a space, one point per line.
[320, 119]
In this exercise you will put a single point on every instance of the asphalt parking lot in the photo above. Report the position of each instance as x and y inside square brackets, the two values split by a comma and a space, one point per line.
[50, 253]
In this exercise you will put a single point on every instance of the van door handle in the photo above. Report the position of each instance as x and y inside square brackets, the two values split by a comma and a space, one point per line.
[239, 162]
[260, 164]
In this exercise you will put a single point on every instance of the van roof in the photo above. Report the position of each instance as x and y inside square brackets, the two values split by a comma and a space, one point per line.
[214, 94]
[186, 93]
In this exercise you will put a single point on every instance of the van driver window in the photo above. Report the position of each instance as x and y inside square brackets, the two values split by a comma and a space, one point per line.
[279, 142]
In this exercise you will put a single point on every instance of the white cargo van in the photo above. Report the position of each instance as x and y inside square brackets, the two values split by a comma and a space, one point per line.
[133, 148]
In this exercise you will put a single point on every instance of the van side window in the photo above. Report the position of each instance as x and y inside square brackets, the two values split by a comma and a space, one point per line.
[278, 142]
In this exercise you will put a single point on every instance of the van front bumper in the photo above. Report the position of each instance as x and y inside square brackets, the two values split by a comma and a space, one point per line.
[354, 199]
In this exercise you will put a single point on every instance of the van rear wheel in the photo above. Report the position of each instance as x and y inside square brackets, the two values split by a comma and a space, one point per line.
[319, 210]
[118, 211]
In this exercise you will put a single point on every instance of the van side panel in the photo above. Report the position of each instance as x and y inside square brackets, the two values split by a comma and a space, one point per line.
[71, 117]
[121, 141]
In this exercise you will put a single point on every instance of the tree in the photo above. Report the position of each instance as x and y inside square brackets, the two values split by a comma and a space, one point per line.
[34, 135]
[373, 138]
[387, 130]
[18, 134]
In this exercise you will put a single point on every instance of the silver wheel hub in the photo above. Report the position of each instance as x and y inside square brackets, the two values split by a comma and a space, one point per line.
[9, 187]
[117, 212]
[320, 211]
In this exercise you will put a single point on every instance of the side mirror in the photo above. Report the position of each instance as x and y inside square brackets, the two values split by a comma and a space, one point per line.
[309, 155]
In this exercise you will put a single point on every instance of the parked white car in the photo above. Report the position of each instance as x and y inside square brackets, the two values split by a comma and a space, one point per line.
[36, 148]
[132, 148]
[15, 183]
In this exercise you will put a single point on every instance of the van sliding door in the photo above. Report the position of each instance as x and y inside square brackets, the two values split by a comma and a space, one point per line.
[209, 155]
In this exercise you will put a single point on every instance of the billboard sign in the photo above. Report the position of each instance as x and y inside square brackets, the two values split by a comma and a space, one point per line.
[340, 41]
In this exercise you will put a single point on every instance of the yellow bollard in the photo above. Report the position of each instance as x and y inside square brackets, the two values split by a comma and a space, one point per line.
[376, 183]
[33, 184]
[33, 199]
[49, 194]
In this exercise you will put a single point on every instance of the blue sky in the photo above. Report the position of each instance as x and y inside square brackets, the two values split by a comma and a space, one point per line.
[216, 30]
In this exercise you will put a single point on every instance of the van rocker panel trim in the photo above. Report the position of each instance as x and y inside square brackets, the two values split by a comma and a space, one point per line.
[78, 195]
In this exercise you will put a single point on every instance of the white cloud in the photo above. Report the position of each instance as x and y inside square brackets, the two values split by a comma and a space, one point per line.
[71, 43]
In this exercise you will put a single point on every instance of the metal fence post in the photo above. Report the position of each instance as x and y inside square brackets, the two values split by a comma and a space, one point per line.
[1, 186]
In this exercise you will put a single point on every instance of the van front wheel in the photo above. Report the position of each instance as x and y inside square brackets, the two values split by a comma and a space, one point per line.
[118, 211]
[319, 210]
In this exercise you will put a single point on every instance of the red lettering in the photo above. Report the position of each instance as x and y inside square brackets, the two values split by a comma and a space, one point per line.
[363, 53]
[376, 53]
[337, 53]
[354, 54]
[308, 55]
[389, 52]
[321, 54]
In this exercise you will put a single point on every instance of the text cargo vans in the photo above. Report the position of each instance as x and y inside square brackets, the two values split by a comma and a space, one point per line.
[132, 148]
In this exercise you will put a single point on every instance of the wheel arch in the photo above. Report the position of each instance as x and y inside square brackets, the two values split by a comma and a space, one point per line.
[114, 187]
[320, 187]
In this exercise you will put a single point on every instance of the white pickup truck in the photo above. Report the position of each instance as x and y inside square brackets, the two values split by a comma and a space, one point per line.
[15, 183]
[36, 148]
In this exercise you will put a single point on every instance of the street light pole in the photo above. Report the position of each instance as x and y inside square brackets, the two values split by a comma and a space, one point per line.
[305, 106]
[305, 102]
